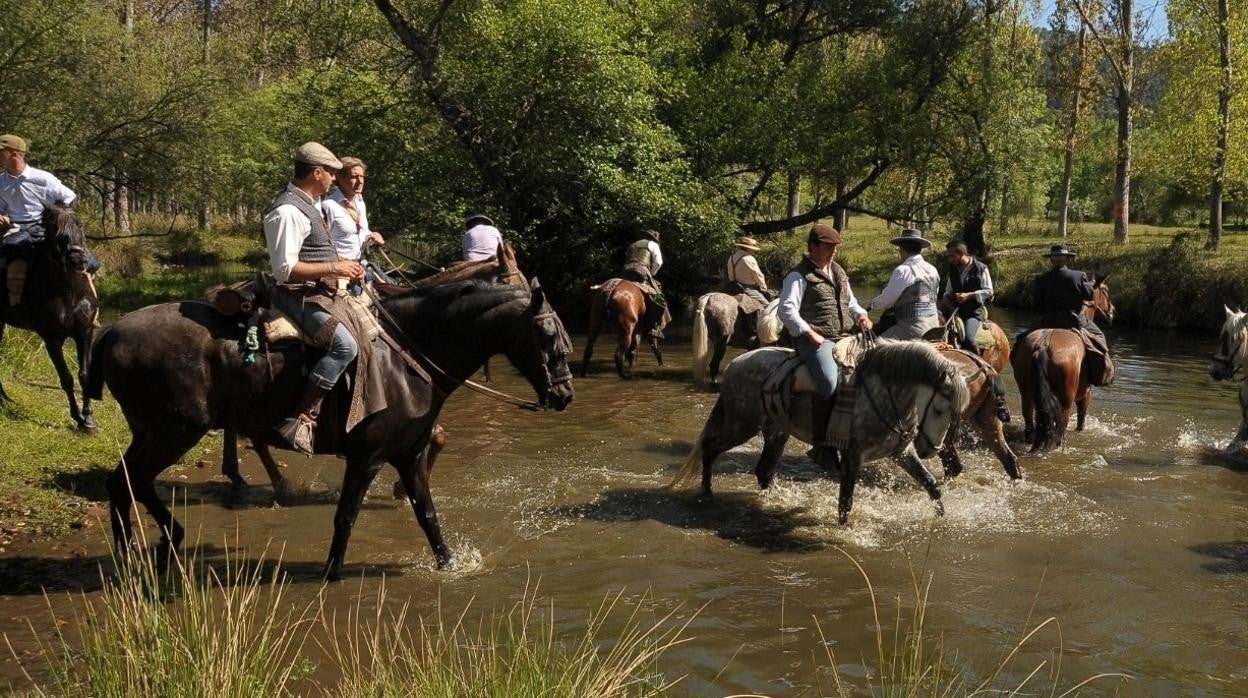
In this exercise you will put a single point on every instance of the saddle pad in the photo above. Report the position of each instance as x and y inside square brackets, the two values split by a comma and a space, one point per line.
[747, 303]
[983, 337]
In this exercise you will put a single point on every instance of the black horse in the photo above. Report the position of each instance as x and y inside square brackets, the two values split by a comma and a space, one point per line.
[177, 371]
[58, 303]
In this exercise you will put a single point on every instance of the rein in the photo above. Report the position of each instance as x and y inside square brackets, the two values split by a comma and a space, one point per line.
[913, 431]
[468, 383]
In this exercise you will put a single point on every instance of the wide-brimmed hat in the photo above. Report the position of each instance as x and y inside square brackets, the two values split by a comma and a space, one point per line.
[477, 218]
[748, 244]
[11, 142]
[651, 233]
[911, 235]
[1059, 251]
[313, 153]
[822, 232]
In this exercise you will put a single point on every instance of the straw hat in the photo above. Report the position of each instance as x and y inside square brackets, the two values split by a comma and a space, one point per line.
[748, 244]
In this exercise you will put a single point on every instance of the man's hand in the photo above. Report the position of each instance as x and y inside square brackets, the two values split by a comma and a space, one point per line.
[814, 337]
[349, 270]
[376, 238]
[5, 221]
[964, 297]
[864, 323]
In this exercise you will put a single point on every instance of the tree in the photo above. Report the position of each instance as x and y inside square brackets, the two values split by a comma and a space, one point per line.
[1070, 81]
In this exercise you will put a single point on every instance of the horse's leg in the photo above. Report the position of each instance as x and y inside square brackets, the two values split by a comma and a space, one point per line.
[1026, 391]
[949, 456]
[82, 345]
[282, 491]
[909, 461]
[4, 397]
[120, 500]
[654, 346]
[595, 327]
[1082, 404]
[436, 443]
[229, 458]
[143, 464]
[773, 448]
[414, 473]
[355, 481]
[56, 351]
[717, 356]
[991, 432]
[625, 350]
[851, 463]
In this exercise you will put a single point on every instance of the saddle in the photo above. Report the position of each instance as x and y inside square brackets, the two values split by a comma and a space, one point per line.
[747, 304]
[792, 377]
[983, 338]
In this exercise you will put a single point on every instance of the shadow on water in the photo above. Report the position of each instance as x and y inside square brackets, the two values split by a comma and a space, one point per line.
[1237, 461]
[1232, 556]
[733, 516]
[27, 576]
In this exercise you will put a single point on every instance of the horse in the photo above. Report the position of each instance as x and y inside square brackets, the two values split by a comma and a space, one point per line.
[623, 303]
[997, 356]
[908, 395]
[177, 371]
[1048, 367]
[1228, 360]
[718, 322]
[59, 303]
[986, 411]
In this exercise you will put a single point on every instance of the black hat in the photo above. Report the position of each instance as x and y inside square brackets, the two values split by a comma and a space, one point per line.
[477, 218]
[911, 235]
[1059, 251]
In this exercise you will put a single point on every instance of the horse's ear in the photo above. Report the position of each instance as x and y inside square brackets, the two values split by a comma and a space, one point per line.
[1229, 313]
[536, 295]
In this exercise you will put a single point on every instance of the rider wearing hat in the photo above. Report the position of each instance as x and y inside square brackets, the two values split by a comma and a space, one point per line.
[481, 238]
[25, 192]
[642, 260]
[744, 274]
[1060, 294]
[306, 264]
[817, 307]
[912, 289]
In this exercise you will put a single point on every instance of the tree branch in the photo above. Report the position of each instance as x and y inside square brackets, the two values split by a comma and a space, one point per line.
[814, 214]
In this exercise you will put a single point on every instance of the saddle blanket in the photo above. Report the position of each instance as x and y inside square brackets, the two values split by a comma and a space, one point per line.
[983, 338]
[792, 376]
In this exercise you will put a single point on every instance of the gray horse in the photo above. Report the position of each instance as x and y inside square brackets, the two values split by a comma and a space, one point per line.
[907, 396]
[718, 322]
[1228, 360]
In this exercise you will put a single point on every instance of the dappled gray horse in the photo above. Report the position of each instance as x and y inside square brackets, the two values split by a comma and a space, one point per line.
[1228, 360]
[907, 396]
[717, 322]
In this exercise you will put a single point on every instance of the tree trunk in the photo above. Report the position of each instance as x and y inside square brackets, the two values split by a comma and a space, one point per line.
[973, 228]
[1072, 134]
[1125, 99]
[121, 205]
[203, 213]
[795, 194]
[1224, 128]
[841, 219]
[1004, 223]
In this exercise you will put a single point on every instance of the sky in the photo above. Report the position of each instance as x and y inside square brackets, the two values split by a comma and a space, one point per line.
[1151, 11]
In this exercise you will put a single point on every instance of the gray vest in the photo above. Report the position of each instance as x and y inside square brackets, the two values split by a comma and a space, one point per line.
[825, 304]
[919, 299]
[317, 247]
[638, 255]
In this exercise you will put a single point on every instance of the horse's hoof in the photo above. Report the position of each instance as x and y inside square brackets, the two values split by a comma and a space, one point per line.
[940, 507]
[443, 563]
[332, 574]
[238, 483]
[842, 518]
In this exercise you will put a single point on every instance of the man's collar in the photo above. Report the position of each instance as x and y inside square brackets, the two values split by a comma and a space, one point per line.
[290, 186]
[19, 174]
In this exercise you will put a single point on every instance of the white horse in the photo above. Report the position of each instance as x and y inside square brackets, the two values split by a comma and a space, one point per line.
[1228, 359]
[717, 322]
[907, 397]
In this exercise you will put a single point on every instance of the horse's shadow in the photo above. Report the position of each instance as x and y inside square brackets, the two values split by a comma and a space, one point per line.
[27, 576]
[1236, 461]
[735, 516]
[1231, 557]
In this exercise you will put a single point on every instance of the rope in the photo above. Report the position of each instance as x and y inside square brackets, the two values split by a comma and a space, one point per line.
[414, 260]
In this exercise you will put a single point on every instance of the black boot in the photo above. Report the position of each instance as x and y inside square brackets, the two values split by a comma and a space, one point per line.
[822, 453]
[297, 431]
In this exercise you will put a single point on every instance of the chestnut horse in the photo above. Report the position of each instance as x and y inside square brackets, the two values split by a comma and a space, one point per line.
[986, 412]
[1048, 367]
[997, 356]
[624, 304]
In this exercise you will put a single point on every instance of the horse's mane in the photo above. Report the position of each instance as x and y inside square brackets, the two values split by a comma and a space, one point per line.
[471, 297]
[912, 362]
[62, 224]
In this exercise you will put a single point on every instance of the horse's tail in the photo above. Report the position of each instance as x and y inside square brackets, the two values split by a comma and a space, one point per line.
[95, 369]
[701, 342]
[692, 469]
[768, 330]
[1047, 406]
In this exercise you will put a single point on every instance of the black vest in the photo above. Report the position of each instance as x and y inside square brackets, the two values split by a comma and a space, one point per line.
[317, 247]
[974, 282]
[825, 304]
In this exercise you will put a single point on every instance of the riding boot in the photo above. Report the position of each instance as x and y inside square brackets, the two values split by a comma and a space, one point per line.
[297, 431]
[822, 452]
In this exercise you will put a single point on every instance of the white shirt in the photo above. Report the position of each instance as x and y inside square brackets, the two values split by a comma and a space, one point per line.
[23, 197]
[481, 242]
[656, 256]
[348, 233]
[791, 293]
[743, 268]
[285, 229]
[906, 273]
[983, 295]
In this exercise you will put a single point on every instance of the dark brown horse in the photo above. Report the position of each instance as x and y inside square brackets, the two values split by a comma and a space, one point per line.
[623, 304]
[1051, 376]
[58, 303]
[986, 413]
[177, 371]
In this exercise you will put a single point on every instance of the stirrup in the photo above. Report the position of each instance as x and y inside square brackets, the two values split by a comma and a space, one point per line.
[297, 433]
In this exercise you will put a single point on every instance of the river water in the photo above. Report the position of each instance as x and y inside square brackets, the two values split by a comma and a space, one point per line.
[1134, 536]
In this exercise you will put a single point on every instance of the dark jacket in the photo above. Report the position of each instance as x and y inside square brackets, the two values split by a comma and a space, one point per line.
[1061, 290]
[974, 282]
[825, 305]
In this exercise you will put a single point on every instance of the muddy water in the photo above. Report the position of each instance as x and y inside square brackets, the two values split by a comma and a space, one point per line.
[1134, 536]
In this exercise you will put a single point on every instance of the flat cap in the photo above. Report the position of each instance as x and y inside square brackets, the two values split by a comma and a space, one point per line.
[11, 142]
[313, 153]
[822, 232]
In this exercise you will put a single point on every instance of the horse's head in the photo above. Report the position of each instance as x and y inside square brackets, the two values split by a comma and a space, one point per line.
[1100, 308]
[1232, 346]
[69, 243]
[543, 356]
[938, 406]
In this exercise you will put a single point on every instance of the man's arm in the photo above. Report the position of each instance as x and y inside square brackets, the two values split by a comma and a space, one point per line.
[1085, 286]
[752, 265]
[58, 192]
[984, 294]
[901, 279]
[656, 257]
[791, 292]
[285, 229]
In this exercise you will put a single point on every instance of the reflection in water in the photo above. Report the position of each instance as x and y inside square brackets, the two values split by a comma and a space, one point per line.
[1127, 535]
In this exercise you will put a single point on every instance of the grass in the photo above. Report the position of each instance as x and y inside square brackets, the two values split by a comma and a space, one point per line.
[231, 629]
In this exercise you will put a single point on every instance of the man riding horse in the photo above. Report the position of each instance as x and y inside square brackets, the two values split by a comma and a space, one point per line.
[744, 274]
[818, 307]
[1060, 295]
[966, 288]
[309, 273]
[25, 193]
[642, 260]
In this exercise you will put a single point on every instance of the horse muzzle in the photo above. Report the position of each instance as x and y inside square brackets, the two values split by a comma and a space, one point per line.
[1220, 370]
[924, 446]
[559, 396]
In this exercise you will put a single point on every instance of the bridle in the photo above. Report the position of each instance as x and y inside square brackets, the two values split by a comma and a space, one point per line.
[1229, 359]
[912, 430]
[563, 348]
